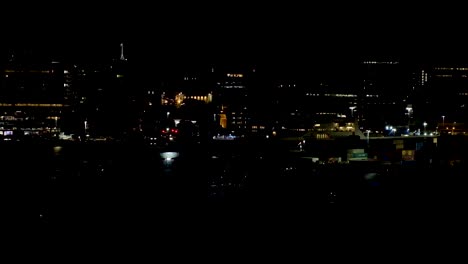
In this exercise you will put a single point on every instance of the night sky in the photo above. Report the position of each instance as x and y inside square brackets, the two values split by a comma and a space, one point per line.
[264, 34]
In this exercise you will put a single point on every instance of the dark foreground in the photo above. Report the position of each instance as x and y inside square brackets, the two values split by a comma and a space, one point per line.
[217, 188]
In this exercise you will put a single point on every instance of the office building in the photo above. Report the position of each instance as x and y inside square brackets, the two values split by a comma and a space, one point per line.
[31, 97]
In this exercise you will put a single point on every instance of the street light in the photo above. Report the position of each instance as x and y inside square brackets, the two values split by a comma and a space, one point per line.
[424, 124]
[443, 121]
[409, 108]
[352, 110]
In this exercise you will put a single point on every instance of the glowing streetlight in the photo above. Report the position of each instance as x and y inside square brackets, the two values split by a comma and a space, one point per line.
[424, 124]
[409, 108]
[352, 110]
[443, 121]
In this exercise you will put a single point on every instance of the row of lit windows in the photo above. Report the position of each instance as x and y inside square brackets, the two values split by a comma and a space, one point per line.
[7, 118]
[190, 78]
[30, 71]
[380, 62]
[423, 77]
[258, 127]
[451, 69]
[341, 95]
[289, 85]
[200, 98]
[324, 113]
[32, 105]
[465, 94]
[449, 76]
[322, 136]
[233, 86]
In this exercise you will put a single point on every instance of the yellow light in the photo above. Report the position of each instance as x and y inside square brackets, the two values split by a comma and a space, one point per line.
[235, 75]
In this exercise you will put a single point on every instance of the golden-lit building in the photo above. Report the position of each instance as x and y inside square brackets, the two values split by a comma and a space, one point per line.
[179, 99]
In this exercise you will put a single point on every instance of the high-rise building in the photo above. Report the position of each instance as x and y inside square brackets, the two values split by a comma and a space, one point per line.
[233, 102]
[31, 97]
[441, 90]
[104, 98]
[384, 93]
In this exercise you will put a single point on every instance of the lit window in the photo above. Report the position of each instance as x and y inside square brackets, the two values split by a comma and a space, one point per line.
[235, 75]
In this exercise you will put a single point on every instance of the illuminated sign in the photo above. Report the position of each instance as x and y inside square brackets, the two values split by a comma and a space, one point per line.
[235, 75]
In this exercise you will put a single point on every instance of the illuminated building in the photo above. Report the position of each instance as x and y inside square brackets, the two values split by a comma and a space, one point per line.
[233, 101]
[441, 90]
[180, 98]
[216, 94]
[31, 97]
[330, 100]
[383, 94]
[105, 96]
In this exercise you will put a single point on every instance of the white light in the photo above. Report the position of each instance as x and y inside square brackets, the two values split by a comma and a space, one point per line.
[169, 155]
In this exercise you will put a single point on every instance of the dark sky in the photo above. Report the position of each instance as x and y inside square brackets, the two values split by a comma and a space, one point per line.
[263, 33]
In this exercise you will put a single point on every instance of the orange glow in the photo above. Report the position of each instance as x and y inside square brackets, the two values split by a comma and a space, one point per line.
[223, 120]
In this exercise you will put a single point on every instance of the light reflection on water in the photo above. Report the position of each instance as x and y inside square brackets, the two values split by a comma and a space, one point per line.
[106, 174]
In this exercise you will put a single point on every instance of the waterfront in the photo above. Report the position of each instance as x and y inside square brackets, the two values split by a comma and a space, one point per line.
[100, 183]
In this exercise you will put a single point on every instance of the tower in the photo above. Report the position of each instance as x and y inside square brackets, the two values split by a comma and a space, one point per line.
[122, 58]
